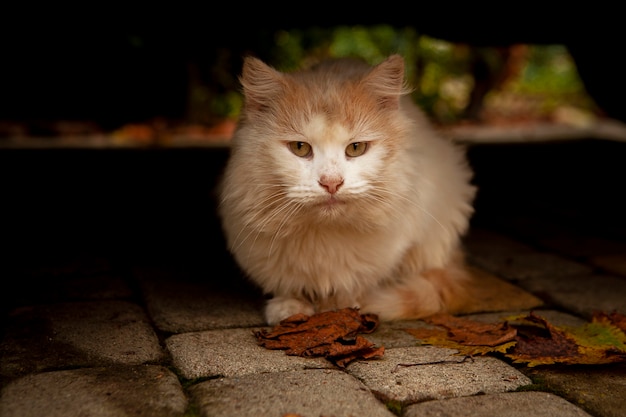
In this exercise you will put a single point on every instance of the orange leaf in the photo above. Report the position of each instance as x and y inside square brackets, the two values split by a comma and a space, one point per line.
[331, 334]
[473, 333]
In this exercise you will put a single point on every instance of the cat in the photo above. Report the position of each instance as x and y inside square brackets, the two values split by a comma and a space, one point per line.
[338, 193]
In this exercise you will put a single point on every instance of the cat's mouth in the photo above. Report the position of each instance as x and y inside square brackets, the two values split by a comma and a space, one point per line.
[331, 202]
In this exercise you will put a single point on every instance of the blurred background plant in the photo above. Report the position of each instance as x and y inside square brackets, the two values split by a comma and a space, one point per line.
[452, 82]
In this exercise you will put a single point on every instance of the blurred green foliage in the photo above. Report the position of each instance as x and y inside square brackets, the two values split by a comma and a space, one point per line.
[443, 74]
[550, 75]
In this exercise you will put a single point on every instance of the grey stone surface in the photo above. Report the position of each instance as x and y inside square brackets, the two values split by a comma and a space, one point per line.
[415, 374]
[567, 284]
[77, 334]
[231, 352]
[610, 264]
[179, 304]
[581, 246]
[601, 390]
[555, 317]
[512, 404]
[73, 279]
[393, 334]
[144, 390]
[515, 261]
[94, 288]
[481, 243]
[520, 267]
[307, 393]
[493, 294]
[582, 294]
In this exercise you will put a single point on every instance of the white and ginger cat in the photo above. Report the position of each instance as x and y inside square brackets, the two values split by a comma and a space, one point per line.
[338, 193]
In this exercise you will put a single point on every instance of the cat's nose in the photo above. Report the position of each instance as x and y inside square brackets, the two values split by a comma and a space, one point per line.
[331, 183]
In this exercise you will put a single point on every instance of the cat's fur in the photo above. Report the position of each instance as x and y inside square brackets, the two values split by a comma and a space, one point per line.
[326, 230]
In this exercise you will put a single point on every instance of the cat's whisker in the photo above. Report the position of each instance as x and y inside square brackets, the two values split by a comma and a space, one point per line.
[395, 212]
[294, 207]
[253, 220]
[413, 203]
[284, 207]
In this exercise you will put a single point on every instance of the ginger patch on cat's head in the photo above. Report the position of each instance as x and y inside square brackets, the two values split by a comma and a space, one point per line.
[321, 131]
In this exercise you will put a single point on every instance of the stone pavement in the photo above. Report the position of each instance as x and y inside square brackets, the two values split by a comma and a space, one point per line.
[102, 333]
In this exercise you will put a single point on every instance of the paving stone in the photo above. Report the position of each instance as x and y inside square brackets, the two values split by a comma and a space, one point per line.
[231, 352]
[71, 288]
[393, 334]
[613, 264]
[308, 393]
[555, 317]
[512, 404]
[531, 230]
[581, 246]
[488, 250]
[179, 304]
[600, 390]
[515, 261]
[96, 287]
[481, 243]
[495, 294]
[415, 374]
[582, 294]
[150, 391]
[519, 267]
[61, 280]
[77, 334]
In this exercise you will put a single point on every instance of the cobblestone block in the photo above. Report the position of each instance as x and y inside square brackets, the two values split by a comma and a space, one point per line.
[231, 352]
[410, 375]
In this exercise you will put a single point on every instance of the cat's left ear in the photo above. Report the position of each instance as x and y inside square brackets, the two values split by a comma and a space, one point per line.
[386, 80]
[261, 83]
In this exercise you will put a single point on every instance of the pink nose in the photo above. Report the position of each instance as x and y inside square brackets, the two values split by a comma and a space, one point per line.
[331, 183]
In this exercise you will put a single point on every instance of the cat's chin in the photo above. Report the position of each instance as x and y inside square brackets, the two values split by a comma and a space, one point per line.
[331, 204]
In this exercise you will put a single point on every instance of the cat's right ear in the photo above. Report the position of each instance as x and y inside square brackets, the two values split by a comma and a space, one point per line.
[261, 83]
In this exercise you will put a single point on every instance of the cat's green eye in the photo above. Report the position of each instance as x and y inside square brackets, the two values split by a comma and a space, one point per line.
[356, 149]
[301, 149]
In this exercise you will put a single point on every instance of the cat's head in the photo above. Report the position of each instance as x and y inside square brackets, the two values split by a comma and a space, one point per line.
[325, 140]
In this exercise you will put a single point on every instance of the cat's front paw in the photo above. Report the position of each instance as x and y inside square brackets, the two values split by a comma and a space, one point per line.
[279, 308]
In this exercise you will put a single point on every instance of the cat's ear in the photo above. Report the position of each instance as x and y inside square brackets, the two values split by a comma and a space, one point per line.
[386, 80]
[261, 83]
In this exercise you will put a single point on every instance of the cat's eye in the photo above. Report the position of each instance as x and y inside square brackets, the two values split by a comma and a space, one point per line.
[301, 149]
[356, 149]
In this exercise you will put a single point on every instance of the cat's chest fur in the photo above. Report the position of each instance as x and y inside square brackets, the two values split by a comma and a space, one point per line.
[323, 260]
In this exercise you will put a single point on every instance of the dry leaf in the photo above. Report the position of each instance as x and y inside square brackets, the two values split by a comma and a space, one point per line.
[469, 332]
[543, 344]
[594, 343]
[531, 339]
[618, 320]
[331, 334]
[469, 337]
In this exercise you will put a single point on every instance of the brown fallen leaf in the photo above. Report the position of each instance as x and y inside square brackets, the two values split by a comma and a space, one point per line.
[469, 337]
[616, 319]
[597, 342]
[470, 332]
[543, 343]
[531, 339]
[330, 334]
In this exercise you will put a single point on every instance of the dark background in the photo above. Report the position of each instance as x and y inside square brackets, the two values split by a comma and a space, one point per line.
[128, 64]
[159, 203]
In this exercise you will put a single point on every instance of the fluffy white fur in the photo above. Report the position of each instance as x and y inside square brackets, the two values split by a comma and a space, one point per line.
[324, 230]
